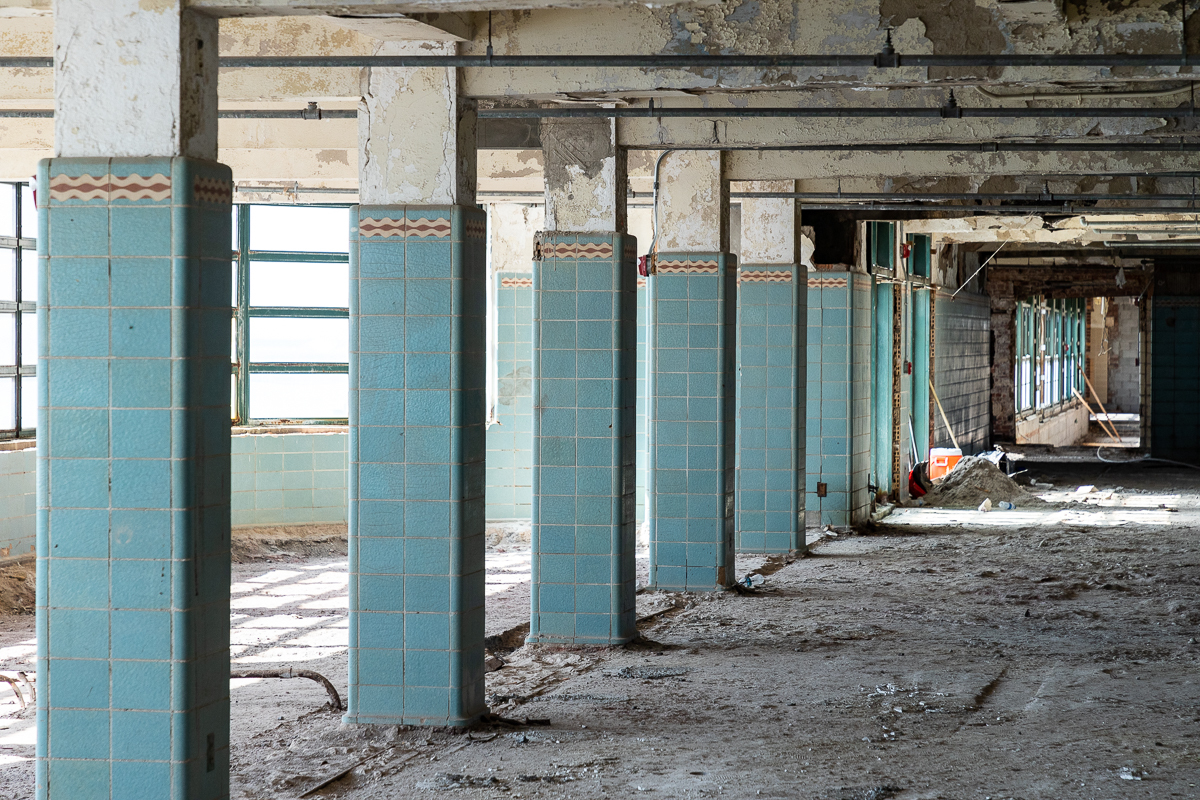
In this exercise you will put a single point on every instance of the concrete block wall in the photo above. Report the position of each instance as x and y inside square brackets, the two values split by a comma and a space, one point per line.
[1124, 352]
[18, 501]
[838, 434]
[1060, 426]
[288, 479]
[962, 370]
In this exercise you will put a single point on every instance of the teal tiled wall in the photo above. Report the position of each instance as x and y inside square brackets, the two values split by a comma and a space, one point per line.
[838, 435]
[691, 321]
[509, 438]
[288, 479]
[417, 447]
[584, 427]
[771, 341]
[133, 489]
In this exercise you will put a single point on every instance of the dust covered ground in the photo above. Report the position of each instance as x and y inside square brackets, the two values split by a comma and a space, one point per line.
[1044, 652]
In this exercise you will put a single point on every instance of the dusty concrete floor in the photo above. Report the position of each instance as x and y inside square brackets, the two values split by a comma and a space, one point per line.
[944, 654]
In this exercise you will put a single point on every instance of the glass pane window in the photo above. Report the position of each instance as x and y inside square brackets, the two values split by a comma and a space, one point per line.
[28, 215]
[29, 402]
[8, 273]
[8, 340]
[8, 403]
[298, 228]
[325, 341]
[29, 276]
[29, 339]
[299, 284]
[299, 396]
[8, 209]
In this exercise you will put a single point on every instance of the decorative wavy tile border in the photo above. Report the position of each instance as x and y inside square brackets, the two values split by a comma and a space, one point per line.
[765, 276]
[407, 228]
[212, 190]
[508, 283]
[688, 266]
[577, 250]
[641, 282]
[423, 228]
[156, 187]
[474, 228]
[827, 283]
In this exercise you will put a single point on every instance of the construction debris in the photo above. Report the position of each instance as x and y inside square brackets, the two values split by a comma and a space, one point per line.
[976, 482]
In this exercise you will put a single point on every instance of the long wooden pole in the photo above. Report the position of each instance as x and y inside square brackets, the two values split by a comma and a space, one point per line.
[1100, 403]
[953, 438]
[1093, 413]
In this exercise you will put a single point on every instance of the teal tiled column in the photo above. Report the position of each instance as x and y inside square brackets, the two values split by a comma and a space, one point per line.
[133, 479]
[690, 329]
[417, 465]
[771, 340]
[584, 428]
[839, 395]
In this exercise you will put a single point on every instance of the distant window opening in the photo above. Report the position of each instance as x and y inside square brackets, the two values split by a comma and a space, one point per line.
[291, 320]
[18, 311]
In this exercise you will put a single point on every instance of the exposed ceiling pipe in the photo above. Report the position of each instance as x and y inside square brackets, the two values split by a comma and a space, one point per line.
[1050, 209]
[312, 112]
[847, 112]
[883, 60]
[1034, 197]
[1101, 95]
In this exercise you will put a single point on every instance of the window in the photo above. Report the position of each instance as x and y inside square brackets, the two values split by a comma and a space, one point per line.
[1049, 352]
[291, 326]
[18, 311]
[881, 246]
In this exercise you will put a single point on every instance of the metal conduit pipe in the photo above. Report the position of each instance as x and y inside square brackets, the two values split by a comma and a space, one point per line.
[1054, 209]
[856, 112]
[925, 196]
[270, 113]
[883, 60]
[709, 113]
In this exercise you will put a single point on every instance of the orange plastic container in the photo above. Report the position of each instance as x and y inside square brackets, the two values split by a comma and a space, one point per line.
[942, 460]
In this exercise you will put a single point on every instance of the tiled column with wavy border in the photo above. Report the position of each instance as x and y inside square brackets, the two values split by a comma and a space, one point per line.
[417, 322]
[771, 337]
[839, 396]
[691, 312]
[133, 478]
[584, 429]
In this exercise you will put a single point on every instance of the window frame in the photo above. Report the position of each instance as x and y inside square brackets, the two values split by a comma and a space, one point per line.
[20, 244]
[242, 367]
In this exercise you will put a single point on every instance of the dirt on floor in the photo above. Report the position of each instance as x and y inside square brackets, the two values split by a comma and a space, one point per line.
[1043, 652]
[17, 587]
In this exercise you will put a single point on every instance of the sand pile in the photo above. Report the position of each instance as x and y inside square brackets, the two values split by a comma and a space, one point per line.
[974, 480]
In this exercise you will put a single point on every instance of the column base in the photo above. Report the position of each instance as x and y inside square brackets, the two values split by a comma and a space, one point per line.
[425, 722]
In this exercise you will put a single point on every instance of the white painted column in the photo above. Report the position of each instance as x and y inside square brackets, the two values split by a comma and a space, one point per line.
[416, 135]
[693, 203]
[585, 173]
[134, 78]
